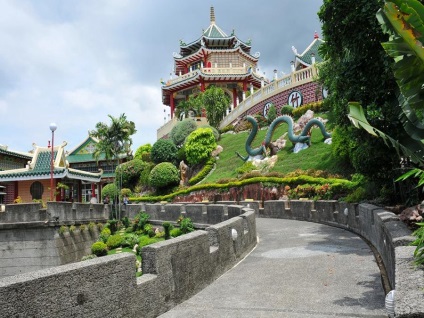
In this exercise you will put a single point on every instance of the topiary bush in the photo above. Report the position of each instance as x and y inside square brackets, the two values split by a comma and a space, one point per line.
[167, 227]
[114, 241]
[215, 131]
[314, 106]
[144, 149]
[99, 249]
[164, 175]
[129, 173]
[176, 232]
[181, 130]
[207, 168]
[110, 190]
[199, 145]
[164, 150]
[227, 129]
[287, 110]
[104, 234]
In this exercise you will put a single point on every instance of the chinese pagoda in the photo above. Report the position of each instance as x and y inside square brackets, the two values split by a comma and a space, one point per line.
[214, 59]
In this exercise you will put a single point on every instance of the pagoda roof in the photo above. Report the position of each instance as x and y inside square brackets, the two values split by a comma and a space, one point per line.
[40, 167]
[306, 57]
[202, 51]
[213, 37]
[4, 150]
[195, 77]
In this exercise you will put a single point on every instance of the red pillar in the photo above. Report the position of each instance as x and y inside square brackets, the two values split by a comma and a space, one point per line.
[93, 189]
[235, 97]
[202, 85]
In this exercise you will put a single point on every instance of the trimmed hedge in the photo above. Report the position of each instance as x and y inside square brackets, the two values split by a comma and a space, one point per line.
[203, 173]
[314, 106]
[338, 186]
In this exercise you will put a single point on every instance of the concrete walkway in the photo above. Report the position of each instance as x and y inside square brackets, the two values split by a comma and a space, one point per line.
[298, 269]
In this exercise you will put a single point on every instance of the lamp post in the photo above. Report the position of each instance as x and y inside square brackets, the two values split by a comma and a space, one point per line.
[53, 127]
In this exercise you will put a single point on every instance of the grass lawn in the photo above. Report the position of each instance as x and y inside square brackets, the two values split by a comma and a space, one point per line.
[317, 157]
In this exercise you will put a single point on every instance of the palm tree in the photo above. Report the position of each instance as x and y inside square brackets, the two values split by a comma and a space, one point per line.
[114, 139]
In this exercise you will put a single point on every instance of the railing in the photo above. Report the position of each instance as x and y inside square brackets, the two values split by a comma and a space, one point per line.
[209, 71]
[287, 82]
[167, 127]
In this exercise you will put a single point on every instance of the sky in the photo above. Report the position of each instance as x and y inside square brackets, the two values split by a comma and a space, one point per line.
[73, 63]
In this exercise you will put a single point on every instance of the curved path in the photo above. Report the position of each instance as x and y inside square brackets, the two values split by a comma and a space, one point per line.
[298, 269]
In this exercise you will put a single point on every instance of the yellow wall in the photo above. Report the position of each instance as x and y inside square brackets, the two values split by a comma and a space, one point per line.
[25, 193]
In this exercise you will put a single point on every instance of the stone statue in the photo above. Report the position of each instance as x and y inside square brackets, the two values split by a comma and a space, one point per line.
[183, 172]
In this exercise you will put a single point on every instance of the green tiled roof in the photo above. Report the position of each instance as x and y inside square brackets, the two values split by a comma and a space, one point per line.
[41, 168]
[15, 153]
[306, 56]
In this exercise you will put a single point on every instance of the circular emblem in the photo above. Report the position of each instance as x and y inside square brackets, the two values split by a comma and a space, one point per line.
[266, 109]
[295, 99]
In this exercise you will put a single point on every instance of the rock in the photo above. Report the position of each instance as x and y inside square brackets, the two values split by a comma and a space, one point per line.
[412, 215]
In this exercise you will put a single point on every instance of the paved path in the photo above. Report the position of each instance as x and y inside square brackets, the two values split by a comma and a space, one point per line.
[298, 269]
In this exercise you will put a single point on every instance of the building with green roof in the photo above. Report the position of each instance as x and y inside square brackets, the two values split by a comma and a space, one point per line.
[34, 180]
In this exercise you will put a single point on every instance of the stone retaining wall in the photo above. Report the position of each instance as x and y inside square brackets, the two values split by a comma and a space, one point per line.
[173, 271]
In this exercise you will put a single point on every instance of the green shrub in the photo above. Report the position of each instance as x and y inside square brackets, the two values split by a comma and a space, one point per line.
[207, 168]
[126, 221]
[186, 225]
[199, 145]
[287, 110]
[129, 173]
[104, 234]
[181, 130]
[144, 149]
[110, 190]
[167, 227]
[114, 241]
[112, 225]
[72, 228]
[227, 129]
[164, 150]
[248, 166]
[146, 157]
[100, 226]
[130, 239]
[176, 232]
[314, 106]
[91, 226]
[358, 195]
[262, 121]
[82, 227]
[272, 114]
[146, 240]
[215, 131]
[164, 175]
[99, 249]
[140, 221]
[63, 229]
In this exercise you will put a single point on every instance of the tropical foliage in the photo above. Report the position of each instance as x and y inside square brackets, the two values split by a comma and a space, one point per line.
[216, 102]
[357, 68]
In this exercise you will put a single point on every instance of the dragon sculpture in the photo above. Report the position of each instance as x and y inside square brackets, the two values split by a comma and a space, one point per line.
[303, 137]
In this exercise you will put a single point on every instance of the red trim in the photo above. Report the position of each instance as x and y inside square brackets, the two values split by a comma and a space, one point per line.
[235, 97]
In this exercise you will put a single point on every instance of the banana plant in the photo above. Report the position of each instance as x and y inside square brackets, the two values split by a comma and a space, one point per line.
[403, 21]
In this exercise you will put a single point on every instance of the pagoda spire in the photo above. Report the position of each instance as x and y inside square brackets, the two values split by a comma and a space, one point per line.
[212, 15]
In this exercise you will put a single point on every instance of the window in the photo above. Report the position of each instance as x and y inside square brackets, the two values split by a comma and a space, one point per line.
[36, 190]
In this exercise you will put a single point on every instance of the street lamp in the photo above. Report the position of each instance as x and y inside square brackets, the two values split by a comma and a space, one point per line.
[53, 127]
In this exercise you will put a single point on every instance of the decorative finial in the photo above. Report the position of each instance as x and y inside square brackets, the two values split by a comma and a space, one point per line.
[212, 15]
[316, 36]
